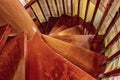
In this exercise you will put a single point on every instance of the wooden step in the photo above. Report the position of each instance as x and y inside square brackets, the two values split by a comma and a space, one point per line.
[76, 30]
[77, 40]
[51, 22]
[75, 20]
[43, 63]
[90, 28]
[87, 60]
[84, 41]
[62, 20]
[4, 32]
[10, 56]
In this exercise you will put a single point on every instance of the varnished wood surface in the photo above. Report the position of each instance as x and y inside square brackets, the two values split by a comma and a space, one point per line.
[52, 21]
[45, 64]
[75, 20]
[87, 60]
[14, 14]
[4, 32]
[77, 40]
[75, 30]
[62, 20]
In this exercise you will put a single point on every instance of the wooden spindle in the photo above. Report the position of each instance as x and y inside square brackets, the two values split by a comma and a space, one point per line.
[115, 18]
[42, 10]
[112, 42]
[114, 56]
[88, 1]
[115, 72]
[63, 3]
[49, 8]
[40, 27]
[30, 3]
[95, 10]
[78, 11]
[57, 8]
[71, 7]
[109, 4]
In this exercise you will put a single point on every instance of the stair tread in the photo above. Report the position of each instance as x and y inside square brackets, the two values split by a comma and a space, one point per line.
[88, 60]
[43, 63]
[51, 23]
[60, 22]
[77, 40]
[10, 57]
[75, 20]
[4, 32]
[71, 31]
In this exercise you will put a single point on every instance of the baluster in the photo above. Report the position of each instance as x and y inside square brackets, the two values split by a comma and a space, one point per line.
[29, 3]
[49, 8]
[109, 4]
[63, 3]
[95, 10]
[115, 18]
[114, 56]
[71, 7]
[111, 42]
[57, 8]
[78, 8]
[42, 11]
[111, 73]
[88, 1]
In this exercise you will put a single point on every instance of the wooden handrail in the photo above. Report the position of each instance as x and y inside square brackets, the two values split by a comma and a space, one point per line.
[57, 8]
[109, 4]
[95, 10]
[48, 7]
[42, 10]
[63, 3]
[30, 3]
[78, 7]
[86, 11]
[115, 72]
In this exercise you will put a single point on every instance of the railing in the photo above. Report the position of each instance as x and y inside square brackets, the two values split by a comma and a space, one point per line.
[105, 13]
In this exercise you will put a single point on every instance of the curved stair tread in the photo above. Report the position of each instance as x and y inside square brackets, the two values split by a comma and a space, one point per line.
[87, 60]
[62, 20]
[75, 20]
[10, 57]
[4, 32]
[45, 64]
[72, 31]
[77, 40]
[51, 23]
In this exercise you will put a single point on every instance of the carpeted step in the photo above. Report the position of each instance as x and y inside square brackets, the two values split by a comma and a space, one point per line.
[62, 20]
[4, 32]
[87, 60]
[45, 64]
[76, 30]
[10, 56]
[51, 22]
[75, 20]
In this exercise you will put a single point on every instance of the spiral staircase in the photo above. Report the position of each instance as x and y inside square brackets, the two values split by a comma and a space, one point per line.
[66, 48]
